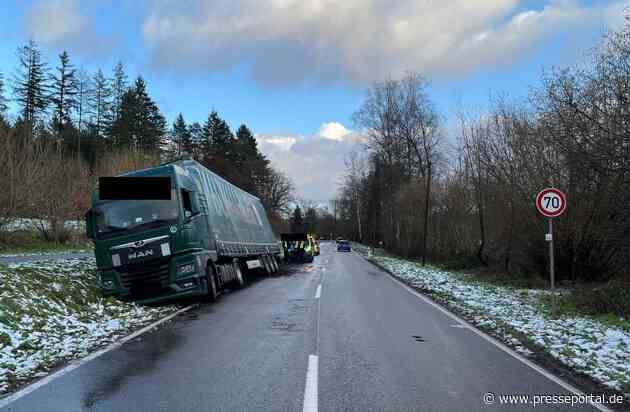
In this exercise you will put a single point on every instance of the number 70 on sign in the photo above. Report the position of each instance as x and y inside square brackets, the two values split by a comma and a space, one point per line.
[551, 202]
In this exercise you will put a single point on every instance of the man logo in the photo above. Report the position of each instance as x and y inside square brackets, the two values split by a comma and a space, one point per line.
[138, 243]
[140, 254]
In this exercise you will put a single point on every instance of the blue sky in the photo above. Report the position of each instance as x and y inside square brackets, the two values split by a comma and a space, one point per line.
[296, 70]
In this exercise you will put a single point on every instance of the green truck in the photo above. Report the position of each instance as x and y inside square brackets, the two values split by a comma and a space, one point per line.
[196, 241]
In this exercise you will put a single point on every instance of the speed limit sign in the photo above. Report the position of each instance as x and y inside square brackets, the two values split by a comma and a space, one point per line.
[551, 202]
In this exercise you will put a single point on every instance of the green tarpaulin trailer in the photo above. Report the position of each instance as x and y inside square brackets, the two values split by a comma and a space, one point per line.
[198, 240]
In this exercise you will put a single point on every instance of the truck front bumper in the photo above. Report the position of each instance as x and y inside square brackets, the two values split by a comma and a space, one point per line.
[190, 286]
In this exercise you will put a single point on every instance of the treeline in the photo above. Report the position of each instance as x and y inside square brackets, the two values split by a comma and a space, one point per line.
[69, 127]
[472, 201]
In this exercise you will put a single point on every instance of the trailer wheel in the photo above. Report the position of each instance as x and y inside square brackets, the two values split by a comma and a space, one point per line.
[240, 280]
[272, 267]
[211, 280]
[274, 263]
[266, 265]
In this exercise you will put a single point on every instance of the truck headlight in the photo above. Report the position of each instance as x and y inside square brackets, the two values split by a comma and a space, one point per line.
[107, 284]
[186, 269]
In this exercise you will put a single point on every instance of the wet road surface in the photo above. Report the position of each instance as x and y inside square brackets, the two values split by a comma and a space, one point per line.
[368, 344]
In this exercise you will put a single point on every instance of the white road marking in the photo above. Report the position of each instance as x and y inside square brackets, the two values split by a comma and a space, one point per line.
[460, 326]
[74, 365]
[318, 293]
[310, 391]
[496, 343]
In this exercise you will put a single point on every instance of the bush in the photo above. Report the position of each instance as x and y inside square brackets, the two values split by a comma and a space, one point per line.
[612, 298]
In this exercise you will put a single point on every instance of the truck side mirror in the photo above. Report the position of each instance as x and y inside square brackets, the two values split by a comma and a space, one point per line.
[191, 206]
[194, 203]
[89, 229]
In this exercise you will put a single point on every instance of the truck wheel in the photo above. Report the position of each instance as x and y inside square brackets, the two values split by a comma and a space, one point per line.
[240, 280]
[274, 263]
[266, 265]
[211, 280]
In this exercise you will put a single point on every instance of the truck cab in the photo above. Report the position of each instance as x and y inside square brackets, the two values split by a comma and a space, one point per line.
[148, 249]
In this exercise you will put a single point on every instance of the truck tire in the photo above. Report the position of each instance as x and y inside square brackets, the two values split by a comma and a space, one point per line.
[240, 279]
[274, 263]
[211, 280]
[266, 265]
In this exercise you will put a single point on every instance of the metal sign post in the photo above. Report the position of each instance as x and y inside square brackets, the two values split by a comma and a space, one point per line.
[552, 274]
[551, 203]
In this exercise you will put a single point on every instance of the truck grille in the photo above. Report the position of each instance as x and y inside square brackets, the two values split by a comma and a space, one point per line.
[145, 278]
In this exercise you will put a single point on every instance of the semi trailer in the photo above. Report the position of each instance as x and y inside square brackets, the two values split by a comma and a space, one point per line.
[177, 230]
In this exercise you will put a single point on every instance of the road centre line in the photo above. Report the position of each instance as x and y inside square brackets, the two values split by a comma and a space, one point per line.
[310, 390]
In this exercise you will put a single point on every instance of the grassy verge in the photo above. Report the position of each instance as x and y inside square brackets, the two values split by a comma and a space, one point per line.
[605, 302]
[51, 312]
[26, 242]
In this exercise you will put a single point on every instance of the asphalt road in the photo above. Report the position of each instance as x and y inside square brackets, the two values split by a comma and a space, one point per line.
[367, 343]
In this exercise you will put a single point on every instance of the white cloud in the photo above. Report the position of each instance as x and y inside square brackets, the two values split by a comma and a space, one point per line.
[288, 41]
[333, 130]
[64, 24]
[315, 163]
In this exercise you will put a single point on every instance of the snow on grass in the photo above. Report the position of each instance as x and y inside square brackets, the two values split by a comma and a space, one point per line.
[51, 311]
[57, 252]
[29, 224]
[585, 344]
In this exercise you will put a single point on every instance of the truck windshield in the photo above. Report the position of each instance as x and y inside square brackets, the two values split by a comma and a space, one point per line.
[117, 216]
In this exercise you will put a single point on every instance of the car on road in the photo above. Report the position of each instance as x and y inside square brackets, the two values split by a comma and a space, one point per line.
[343, 246]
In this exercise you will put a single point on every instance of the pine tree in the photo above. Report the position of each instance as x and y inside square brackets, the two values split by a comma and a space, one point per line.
[218, 140]
[252, 166]
[196, 137]
[29, 86]
[140, 125]
[99, 103]
[181, 137]
[123, 129]
[64, 90]
[247, 145]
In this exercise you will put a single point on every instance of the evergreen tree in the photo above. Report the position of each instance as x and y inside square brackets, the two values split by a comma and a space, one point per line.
[218, 139]
[140, 125]
[218, 148]
[252, 166]
[181, 136]
[64, 90]
[123, 129]
[98, 103]
[29, 86]
[196, 137]
[247, 146]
